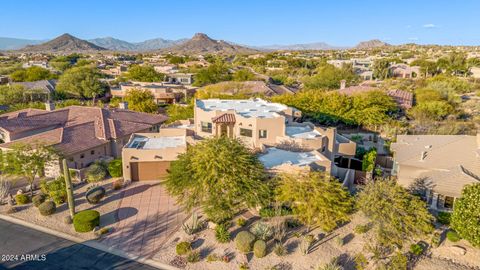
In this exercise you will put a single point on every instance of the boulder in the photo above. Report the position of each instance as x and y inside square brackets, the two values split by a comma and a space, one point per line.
[94, 195]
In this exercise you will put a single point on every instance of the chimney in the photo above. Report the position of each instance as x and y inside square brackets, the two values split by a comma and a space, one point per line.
[123, 105]
[49, 106]
[423, 155]
[343, 84]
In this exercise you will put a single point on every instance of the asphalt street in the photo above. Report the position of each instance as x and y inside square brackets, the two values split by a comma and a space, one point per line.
[24, 248]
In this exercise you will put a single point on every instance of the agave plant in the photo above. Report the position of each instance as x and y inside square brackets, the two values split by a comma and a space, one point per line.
[193, 226]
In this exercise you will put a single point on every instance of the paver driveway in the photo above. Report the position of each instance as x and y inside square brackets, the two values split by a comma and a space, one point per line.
[147, 217]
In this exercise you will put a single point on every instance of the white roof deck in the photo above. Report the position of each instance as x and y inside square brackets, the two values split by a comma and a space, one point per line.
[245, 107]
[302, 132]
[140, 142]
[275, 157]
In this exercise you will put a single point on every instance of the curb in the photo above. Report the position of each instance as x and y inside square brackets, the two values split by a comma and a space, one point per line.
[90, 243]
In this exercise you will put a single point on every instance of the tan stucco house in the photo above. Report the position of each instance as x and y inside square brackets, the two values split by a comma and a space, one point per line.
[147, 156]
[440, 164]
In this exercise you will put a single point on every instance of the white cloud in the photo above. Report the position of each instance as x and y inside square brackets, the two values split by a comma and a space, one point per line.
[429, 25]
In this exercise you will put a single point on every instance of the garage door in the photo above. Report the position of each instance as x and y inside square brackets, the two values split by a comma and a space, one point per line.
[144, 171]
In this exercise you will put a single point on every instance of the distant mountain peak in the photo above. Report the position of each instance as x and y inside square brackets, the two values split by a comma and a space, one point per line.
[201, 43]
[64, 43]
[370, 44]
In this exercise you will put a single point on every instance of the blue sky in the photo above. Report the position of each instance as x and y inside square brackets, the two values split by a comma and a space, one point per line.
[340, 22]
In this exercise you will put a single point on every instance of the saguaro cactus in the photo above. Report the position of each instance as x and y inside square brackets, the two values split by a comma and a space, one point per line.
[68, 184]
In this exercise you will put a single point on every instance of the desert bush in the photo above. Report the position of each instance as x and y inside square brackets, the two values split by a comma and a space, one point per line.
[38, 199]
[360, 261]
[115, 168]
[183, 248]
[5, 185]
[279, 250]
[221, 233]
[86, 220]
[262, 230]
[193, 225]
[416, 249]
[361, 229]
[332, 265]
[241, 222]
[117, 184]
[340, 241]
[243, 266]
[260, 248]
[94, 195]
[213, 258]
[244, 241]
[22, 199]
[193, 257]
[436, 239]
[306, 243]
[444, 218]
[96, 172]
[279, 231]
[453, 236]
[293, 223]
[47, 208]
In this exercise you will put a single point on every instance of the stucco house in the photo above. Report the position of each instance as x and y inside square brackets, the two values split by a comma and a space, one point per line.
[163, 93]
[440, 165]
[147, 156]
[81, 134]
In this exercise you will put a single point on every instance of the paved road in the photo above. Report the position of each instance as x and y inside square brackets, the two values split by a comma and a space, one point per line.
[59, 253]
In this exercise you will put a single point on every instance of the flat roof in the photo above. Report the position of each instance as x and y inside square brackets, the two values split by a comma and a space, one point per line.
[275, 157]
[140, 142]
[245, 107]
[303, 132]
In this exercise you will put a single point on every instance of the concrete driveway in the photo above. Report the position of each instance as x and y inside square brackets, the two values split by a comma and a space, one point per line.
[147, 216]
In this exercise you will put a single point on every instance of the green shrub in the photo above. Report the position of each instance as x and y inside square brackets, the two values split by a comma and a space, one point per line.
[262, 230]
[86, 220]
[444, 218]
[244, 241]
[260, 249]
[183, 248]
[361, 229]
[193, 257]
[243, 266]
[38, 199]
[416, 249]
[213, 258]
[269, 211]
[115, 168]
[453, 236]
[55, 189]
[340, 241]
[96, 172]
[47, 208]
[22, 199]
[221, 233]
[241, 222]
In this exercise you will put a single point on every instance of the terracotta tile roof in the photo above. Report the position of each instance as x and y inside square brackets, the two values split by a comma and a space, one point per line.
[224, 118]
[76, 128]
[403, 98]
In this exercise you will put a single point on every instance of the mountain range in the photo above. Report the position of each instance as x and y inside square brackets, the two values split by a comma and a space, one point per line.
[199, 43]
[147, 45]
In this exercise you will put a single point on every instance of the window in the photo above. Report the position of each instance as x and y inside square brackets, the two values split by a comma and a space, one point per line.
[92, 152]
[262, 134]
[82, 156]
[448, 202]
[207, 127]
[245, 132]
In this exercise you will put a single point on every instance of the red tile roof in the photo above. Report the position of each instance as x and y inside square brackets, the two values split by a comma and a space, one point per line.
[403, 98]
[224, 118]
[76, 128]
